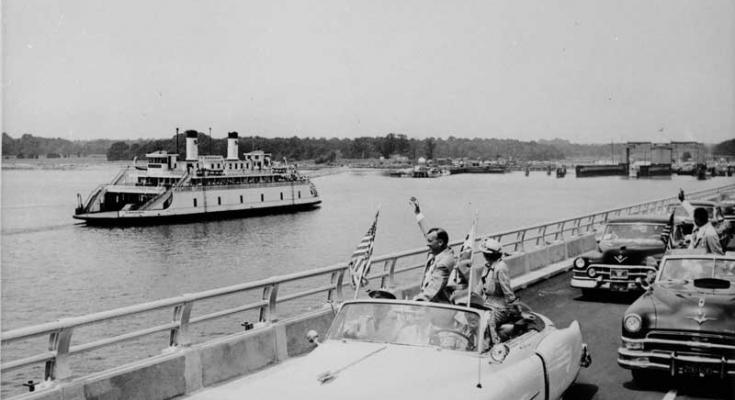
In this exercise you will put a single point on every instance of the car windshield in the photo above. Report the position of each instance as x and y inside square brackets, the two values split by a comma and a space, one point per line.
[690, 269]
[407, 324]
[636, 231]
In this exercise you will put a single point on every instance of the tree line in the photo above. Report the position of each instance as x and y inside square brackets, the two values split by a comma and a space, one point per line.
[323, 150]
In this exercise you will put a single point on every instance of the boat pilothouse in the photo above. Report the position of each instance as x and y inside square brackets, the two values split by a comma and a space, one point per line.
[206, 186]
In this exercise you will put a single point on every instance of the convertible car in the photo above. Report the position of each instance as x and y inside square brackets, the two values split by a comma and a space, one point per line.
[685, 322]
[716, 214]
[379, 348]
[629, 248]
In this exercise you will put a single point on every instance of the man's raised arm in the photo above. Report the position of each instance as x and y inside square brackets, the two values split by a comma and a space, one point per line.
[419, 216]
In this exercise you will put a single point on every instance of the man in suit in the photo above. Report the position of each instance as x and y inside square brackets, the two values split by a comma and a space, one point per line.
[439, 263]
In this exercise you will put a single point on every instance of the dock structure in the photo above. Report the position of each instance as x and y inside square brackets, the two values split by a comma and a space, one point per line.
[648, 159]
[205, 367]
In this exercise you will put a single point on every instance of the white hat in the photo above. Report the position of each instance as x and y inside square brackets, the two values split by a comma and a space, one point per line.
[490, 246]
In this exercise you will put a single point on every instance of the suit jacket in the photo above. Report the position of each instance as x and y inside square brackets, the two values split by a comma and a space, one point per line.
[436, 275]
[436, 271]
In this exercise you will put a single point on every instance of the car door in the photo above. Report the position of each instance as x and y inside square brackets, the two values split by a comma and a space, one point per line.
[516, 378]
[561, 351]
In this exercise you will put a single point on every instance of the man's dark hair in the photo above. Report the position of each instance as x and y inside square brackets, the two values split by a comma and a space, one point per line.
[701, 214]
[441, 234]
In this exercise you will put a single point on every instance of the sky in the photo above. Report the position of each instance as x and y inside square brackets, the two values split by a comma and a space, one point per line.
[589, 71]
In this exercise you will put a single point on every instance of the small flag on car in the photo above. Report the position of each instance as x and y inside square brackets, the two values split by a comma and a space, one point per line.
[667, 231]
[360, 262]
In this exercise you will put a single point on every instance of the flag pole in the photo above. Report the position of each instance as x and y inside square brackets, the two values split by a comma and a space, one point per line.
[472, 250]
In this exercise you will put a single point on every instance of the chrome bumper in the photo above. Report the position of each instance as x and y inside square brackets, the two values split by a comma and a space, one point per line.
[674, 362]
[619, 278]
[589, 283]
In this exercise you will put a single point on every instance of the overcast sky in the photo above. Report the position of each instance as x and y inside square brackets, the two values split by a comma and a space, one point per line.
[586, 71]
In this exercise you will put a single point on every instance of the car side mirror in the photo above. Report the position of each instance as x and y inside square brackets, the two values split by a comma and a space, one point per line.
[313, 337]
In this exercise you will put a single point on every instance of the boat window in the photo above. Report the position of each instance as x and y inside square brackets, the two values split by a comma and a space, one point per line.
[219, 201]
[281, 195]
[195, 202]
[262, 198]
[299, 194]
[240, 199]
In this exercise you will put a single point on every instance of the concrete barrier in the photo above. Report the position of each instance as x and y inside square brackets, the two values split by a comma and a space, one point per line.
[580, 245]
[188, 369]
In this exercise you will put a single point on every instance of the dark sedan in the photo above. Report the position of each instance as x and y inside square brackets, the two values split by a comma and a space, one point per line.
[685, 322]
[629, 248]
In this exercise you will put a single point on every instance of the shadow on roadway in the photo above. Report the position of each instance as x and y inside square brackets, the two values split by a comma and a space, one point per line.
[705, 388]
[580, 391]
[609, 297]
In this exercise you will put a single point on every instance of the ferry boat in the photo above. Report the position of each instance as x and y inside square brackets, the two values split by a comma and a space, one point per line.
[167, 189]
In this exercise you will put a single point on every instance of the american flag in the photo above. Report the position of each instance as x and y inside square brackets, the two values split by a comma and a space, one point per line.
[667, 231]
[468, 244]
[360, 262]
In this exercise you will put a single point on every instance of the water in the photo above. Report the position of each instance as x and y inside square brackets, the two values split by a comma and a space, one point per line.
[54, 267]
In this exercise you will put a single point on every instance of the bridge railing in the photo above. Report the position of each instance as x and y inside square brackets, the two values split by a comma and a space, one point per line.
[57, 356]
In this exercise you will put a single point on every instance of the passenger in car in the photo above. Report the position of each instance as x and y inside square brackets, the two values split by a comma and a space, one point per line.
[704, 236]
[496, 289]
[439, 263]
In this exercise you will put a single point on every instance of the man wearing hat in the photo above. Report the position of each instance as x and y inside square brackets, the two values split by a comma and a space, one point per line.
[496, 289]
[439, 263]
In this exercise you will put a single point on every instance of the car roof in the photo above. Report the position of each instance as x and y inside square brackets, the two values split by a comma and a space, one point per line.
[698, 253]
[659, 219]
[706, 203]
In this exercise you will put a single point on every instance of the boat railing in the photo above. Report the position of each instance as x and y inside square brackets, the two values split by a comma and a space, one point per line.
[241, 185]
[161, 197]
[120, 175]
[270, 293]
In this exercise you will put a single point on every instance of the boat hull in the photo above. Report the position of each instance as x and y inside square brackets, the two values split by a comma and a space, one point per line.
[157, 217]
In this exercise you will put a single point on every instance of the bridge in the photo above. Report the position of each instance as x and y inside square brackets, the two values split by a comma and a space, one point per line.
[201, 367]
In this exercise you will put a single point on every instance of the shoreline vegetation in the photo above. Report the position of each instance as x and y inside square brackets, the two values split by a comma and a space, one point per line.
[390, 151]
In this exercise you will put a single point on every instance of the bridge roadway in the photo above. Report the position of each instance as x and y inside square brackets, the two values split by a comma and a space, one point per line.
[600, 318]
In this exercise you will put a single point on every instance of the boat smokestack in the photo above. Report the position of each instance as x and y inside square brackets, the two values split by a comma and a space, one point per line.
[192, 149]
[232, 146]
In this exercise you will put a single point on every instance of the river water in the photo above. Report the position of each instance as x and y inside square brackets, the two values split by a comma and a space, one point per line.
[54, 267]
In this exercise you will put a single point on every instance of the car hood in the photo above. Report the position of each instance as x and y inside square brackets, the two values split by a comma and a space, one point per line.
[359, 370]
[681, 306]
[631, 252]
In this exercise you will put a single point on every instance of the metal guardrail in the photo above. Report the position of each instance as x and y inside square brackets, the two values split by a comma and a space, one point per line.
[57, 357]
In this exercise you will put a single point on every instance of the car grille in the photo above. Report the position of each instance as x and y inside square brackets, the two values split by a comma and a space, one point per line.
[622, 273]
[691, 343]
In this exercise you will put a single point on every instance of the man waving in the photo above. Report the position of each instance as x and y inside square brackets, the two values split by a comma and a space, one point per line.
[439, 263]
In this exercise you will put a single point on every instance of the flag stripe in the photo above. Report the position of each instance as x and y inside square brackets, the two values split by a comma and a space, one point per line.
[360, 260]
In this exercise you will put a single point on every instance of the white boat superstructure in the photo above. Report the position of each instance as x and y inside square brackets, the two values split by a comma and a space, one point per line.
[207, 186]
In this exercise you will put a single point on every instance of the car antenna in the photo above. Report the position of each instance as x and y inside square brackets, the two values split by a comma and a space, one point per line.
[479, 367]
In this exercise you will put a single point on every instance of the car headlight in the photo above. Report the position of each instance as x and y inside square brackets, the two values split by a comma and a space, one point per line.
[591, 272]
[632, 323]
[579, 263]
[499, 351]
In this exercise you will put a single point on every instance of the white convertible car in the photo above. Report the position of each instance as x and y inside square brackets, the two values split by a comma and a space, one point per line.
[379, 349]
